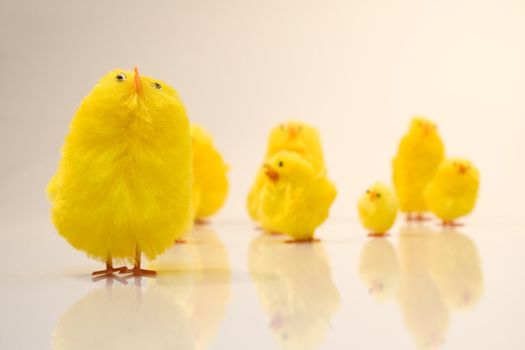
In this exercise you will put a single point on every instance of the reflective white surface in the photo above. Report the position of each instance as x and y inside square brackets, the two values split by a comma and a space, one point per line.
[230, 287]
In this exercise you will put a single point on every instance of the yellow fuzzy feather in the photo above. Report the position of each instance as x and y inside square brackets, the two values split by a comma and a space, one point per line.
[124, 180]
[293, 136]
[454, 190]
[378, 208]
[418, 157]
[295, 199]
[210, 181]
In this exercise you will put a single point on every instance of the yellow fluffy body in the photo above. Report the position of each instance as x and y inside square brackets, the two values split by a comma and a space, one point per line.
[210, 181]
[418, 157]
[295, 199]
[378, 208]
[293, 136]
[454, 190]
[124, 180]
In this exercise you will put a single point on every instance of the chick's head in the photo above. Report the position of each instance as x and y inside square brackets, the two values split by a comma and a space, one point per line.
[422, 127]
[297, 137]
[287, 166]
[458, 167]
[126, 95]
[378, 193]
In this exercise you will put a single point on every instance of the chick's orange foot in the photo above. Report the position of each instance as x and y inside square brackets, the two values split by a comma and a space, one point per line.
[417, 217]
[108, 273]
[378, 235]
[138, 272]
[201, 222]
[450, 223]
[302, 240]
[180, 241]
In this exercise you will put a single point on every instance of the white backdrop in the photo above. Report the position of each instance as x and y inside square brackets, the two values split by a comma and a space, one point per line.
[356, 69]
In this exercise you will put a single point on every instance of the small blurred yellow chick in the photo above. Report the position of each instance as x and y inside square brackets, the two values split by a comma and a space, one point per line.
[378, 209]
[297, 137]
[292, 136]
[296, 199]
[418, 157]
[210, 181]
[454, 190]
[123, 185]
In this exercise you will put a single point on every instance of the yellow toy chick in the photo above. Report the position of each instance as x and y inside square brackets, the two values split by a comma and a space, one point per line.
[123, 185]
[418, 157]
[378, 209]
[296, 199]
[454, 190]
[292, 136]
[210, 181]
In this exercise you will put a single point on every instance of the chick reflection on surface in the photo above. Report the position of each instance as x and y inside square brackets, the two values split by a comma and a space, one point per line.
[456, 265]
[295, 288]
[422, 306]
[123, 317]
[197, 275]
[379, 269]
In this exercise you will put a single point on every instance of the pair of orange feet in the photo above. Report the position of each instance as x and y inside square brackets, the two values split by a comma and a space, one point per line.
[115, 272]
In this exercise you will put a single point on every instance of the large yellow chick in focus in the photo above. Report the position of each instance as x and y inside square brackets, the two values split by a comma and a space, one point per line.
[378, 209]
[292, 136]
[418, 157]
[210, 180]
[454, 190]
[123, 185]
[296, 199]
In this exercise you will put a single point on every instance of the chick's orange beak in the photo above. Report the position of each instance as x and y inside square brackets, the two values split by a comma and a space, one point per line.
[372, 195]
[271, 173]
[292, 131]
[462, 169]
[138, 85]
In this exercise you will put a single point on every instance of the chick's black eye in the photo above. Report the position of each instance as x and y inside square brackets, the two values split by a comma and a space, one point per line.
[120, 77]
[281, 164]
[379, 195]
[156, 86]
[367, 191]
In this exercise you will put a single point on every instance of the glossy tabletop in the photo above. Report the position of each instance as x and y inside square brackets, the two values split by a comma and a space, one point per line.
[231, 287]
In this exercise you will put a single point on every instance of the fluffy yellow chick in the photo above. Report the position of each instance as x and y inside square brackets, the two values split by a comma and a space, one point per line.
[378, 209]
[296, 199]
[210, 181]
[418, 157]
[454, 190]
[123, 185]
[292, 136]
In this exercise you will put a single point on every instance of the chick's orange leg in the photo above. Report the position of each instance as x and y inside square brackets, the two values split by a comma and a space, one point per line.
[137, 271]
[180, 241]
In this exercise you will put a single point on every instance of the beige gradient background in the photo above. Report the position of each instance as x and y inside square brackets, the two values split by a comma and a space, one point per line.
[358, 70]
